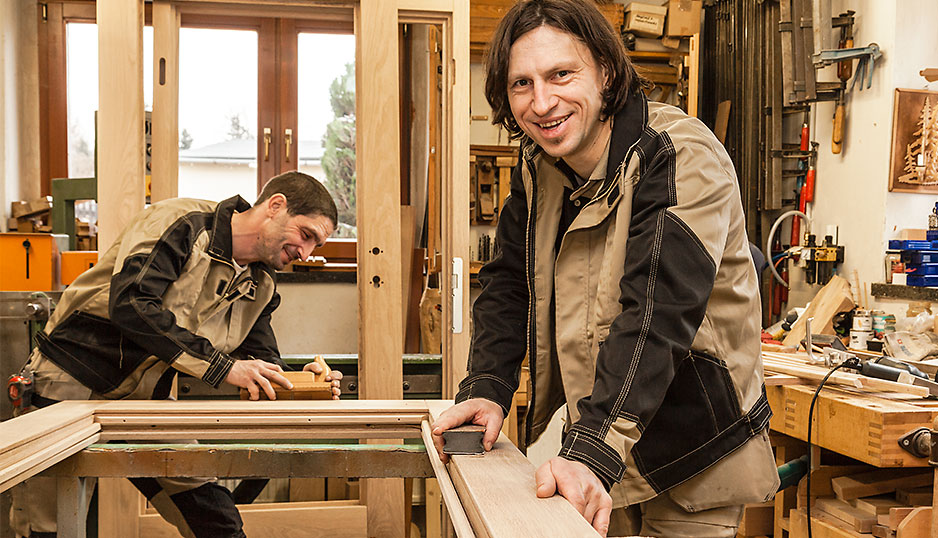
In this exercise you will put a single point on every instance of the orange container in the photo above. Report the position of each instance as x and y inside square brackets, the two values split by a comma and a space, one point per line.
[76, 262]
[29, 262]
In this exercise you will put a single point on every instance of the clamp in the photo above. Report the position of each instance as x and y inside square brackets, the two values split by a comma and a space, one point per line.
[866, 55]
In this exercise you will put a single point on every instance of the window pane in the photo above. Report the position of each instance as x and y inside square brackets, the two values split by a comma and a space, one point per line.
[217, 113]
[81, 48]
[326, 118]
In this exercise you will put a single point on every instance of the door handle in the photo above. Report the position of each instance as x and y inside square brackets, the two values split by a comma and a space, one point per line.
[266, 143]
[288, 141]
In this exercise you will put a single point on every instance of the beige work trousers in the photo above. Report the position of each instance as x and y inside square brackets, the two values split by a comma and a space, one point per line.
[34, 501]
[661, 516]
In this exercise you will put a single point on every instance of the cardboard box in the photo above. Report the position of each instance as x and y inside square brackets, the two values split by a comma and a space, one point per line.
[684, 17]
[645, 20]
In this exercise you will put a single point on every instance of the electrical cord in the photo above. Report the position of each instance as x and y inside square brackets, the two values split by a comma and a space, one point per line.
[768, 242]
[852, 362]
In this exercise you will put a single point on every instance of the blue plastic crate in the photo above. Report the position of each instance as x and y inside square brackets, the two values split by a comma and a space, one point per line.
[922, 269]
[922, 281]
[911, 244]
[919, 256]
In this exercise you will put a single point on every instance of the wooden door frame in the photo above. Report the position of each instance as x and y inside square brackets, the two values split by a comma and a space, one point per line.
[378, 191]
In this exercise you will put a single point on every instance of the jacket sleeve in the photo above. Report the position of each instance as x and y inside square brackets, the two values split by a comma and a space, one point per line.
[135, 304]
[261, 343]
[499, 314]
[681, 210]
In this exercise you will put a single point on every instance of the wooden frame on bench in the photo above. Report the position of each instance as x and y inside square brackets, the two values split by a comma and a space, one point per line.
[495, 491]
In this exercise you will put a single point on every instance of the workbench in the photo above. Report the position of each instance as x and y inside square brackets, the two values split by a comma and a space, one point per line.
[863, 426]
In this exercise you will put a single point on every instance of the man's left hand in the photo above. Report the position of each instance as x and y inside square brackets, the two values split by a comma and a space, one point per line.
[333, 376]
[576, 483]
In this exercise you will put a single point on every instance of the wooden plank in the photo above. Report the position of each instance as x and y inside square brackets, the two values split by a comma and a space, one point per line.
[858, 519]
[164, 159]
[723, 120]
[46, 456]
[344, 407]
[834, 297]
[120, 136]
[821, 480]
[757, 519]
[822, 525]
[789, 364]
[876, 505]
[433, 501]
[448, 491]
[281, 460]
[693, 75]
[895, 517]
[118, 506]
[306, 386]
[242, 432]
[315, 519]
[921, 496]
[917, 524]
[504, 477]
[878, 482]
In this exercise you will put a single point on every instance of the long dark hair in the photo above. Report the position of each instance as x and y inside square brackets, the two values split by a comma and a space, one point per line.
[579, 18]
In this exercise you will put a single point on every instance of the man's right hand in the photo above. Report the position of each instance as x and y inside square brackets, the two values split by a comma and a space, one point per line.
[474, 411]
[254, 375]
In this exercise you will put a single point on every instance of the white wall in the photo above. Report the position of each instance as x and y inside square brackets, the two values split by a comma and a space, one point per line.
[19, 104]
[852, 188]
[317, 318]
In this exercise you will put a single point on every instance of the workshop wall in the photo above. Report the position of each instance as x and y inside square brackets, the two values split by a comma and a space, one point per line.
[19, 104]
[317, 318]
[852, 188]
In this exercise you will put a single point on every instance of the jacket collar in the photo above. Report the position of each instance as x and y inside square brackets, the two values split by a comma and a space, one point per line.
[627, 128]
[220, 243]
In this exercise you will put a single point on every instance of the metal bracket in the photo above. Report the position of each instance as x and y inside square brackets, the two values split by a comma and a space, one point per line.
[918, 442]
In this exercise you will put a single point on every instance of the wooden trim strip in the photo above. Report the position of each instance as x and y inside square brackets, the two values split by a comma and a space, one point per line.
[504, 477]
[450, 497]
[247, 460]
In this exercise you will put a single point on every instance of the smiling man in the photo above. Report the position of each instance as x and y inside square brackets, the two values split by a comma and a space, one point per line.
[624, 276]
[189, 286]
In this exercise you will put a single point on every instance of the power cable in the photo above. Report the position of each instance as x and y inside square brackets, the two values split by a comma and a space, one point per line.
[852, 362]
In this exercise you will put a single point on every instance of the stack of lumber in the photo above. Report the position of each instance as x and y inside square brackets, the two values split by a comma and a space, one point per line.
[86, 237]
[798, 365]
[859, 501]
[165, 420]
[33, 443]
[30, 216]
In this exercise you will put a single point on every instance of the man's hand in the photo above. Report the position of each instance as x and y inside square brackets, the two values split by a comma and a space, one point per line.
[333, 376]
[576, 483]
[254, 375]
[475, 411]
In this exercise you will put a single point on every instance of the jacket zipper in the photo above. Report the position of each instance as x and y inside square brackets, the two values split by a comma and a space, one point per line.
[529, 270]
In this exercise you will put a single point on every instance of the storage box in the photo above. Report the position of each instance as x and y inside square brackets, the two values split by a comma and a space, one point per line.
[645, 20]
[31, 262]
[75, 263]
[684, 17]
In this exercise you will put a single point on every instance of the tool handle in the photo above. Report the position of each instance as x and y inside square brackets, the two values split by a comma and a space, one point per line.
[837, 136]
[318, 359]
[871, 369]
[807, 191]
[805, 137]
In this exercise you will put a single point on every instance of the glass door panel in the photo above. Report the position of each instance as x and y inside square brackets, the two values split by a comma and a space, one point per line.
[326, 118]
[218, 113]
